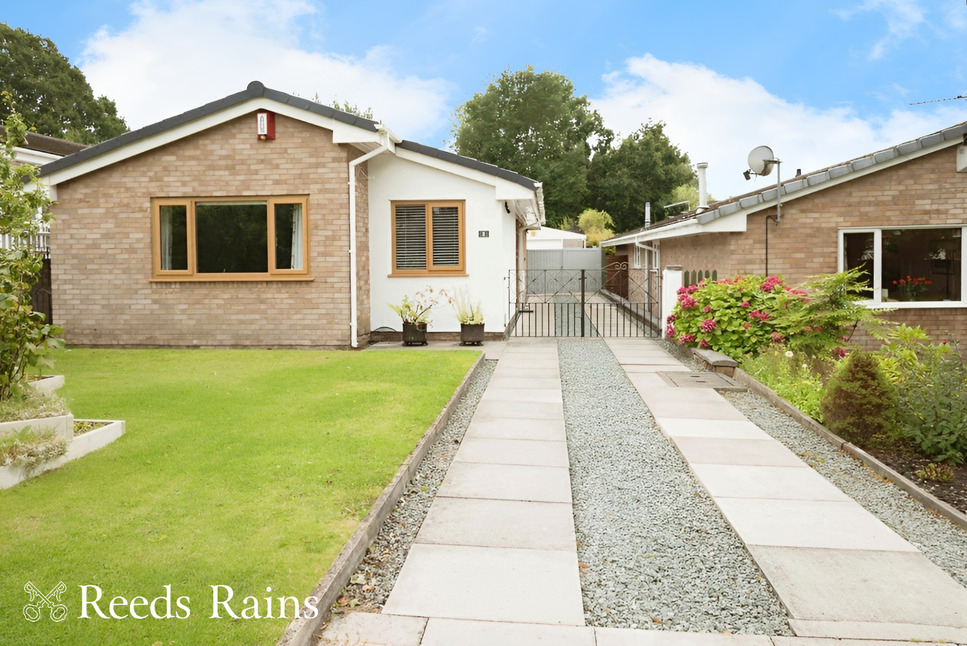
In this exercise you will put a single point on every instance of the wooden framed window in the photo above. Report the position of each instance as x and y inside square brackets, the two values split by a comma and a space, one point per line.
[230, 238]
[428, 238]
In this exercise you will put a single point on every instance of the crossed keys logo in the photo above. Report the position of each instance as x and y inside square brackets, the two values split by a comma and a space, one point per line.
[58, 611]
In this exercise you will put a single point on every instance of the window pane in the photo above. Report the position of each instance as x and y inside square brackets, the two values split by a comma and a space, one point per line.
[174, 237]
[858, 254]
[446, 236]
[922, 264]
[288, 236]
[411, 236]
[232, 238]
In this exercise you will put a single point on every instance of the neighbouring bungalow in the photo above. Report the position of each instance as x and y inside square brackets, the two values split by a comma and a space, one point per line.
[267, 220]
[550, 238]
[900, 214]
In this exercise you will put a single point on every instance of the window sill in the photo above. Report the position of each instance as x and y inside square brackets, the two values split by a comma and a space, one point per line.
[916, 305]
[233, 278]
[429, 274]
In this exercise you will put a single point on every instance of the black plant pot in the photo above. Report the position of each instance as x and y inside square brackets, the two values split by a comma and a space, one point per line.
[414, 333]
[471, 333]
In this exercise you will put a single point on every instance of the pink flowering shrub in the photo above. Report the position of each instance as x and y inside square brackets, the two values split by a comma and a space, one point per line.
[743, 315]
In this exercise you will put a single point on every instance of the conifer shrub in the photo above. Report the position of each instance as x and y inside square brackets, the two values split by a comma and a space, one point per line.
[860, 403]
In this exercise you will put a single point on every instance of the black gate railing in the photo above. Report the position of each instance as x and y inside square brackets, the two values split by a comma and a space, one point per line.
[614, 301]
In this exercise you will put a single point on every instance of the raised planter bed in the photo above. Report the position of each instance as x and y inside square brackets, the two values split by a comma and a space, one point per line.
[80, 445]
[47, 385]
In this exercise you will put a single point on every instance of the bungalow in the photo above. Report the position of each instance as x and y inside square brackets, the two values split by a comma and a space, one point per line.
[266, 220]
[898, 213]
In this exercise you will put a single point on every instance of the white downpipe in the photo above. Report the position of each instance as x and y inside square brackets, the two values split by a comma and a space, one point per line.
[353, 287]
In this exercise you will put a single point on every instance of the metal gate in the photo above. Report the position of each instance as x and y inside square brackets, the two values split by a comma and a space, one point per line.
[612, 301]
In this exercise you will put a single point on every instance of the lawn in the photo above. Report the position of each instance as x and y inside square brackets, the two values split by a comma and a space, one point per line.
[241, 471]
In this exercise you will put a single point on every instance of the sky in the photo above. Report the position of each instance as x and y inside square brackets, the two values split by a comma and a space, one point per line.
[819, 82]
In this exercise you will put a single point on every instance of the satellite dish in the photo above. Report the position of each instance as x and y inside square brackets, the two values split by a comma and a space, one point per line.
[761, 160]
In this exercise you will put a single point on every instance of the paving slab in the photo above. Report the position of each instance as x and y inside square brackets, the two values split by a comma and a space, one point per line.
[628, 637]
[499, 523]
[489, 584]
[693, 403]
[646, 359]
[499, 381]
[631, 369]
[648, 381]
[699, 379]
[492, 408]
[525, 452]
[843, 525]
[528, 395]
[725, 429]
[506, 482]
[863, 586]
[524, 370]
[781, 483]
[372, 628]
[710, 450]
[860, 634]
[456, 632]
[521, 429]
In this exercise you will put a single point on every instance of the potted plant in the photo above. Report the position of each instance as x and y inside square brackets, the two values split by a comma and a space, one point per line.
[415, 314]
[470, 315]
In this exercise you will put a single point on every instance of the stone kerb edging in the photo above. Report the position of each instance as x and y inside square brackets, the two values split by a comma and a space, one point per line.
[925, 498]
[301, 631]
[80, 445]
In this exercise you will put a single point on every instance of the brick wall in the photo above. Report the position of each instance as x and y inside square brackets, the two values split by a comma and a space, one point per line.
[101, 245]
[927, 190]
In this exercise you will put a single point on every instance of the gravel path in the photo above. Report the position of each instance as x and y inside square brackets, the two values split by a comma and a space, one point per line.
[655, 551]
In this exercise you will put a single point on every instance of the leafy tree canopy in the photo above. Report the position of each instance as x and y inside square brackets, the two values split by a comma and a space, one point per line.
[644, 167]
[52, 95]
[596, 225]
[532, 123]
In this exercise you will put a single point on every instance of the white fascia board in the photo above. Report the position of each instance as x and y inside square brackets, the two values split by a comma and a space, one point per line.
[34, 157]
[448, 167]
[732, 223]
[513, 191]
[345, 132]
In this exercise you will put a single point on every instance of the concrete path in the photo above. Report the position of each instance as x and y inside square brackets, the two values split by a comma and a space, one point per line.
[495, 561]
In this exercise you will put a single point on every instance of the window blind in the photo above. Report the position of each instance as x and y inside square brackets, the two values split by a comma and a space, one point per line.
[411, 236]
[446, 236]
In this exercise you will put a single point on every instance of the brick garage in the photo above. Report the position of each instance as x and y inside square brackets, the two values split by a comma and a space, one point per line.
[918, 186]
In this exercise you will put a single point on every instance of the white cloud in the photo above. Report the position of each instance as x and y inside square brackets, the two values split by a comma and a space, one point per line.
[903, 20]
[719, 119]
[172, 59]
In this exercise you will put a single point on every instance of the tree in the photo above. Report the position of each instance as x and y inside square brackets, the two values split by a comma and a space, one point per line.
[351, 108]
[52, 95]
[644, 167]
[533, 124]
[25, 338]
[596, 225]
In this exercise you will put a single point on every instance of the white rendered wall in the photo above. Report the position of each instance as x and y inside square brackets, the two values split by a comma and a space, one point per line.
[489, 260]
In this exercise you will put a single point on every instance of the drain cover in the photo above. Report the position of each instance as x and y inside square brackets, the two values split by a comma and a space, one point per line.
[700, 380]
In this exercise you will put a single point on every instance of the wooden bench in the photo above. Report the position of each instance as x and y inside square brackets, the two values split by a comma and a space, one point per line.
[716, 361]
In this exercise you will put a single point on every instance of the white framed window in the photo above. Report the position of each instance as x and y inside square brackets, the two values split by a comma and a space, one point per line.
[636, 257]
[907, 266]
